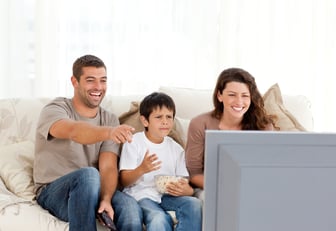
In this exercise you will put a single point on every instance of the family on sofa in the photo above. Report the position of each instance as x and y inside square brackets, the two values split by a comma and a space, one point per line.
[78, 143]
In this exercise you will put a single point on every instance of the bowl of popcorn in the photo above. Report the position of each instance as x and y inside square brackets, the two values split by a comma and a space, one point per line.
[162, 180]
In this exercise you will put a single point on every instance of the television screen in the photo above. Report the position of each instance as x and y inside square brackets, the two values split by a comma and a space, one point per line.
[270, 181]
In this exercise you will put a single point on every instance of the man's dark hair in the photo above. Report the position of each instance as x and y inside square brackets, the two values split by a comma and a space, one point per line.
[86, 61]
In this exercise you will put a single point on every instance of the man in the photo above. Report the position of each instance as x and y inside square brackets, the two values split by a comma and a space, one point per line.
[76, 154]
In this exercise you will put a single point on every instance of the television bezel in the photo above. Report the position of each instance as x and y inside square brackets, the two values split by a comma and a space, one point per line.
[227, 153]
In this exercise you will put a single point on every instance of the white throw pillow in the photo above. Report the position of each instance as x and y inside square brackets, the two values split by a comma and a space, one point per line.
[189, 102]
[16, 168]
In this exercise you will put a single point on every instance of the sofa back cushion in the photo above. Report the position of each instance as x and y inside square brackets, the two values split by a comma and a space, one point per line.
[297, 117]
[18, 119]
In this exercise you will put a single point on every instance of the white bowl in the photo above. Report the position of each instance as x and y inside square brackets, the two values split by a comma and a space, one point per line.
[162, 180]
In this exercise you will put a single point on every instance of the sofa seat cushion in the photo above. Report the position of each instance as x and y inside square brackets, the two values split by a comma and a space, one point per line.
[8, 198]
[30, 216]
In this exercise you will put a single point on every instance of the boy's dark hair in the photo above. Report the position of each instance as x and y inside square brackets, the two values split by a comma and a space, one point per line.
[154, 100]
[86, 61]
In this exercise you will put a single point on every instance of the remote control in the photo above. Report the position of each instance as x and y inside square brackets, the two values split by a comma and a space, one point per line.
[107, 220]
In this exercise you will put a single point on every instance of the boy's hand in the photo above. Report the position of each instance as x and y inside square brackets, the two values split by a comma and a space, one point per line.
[150, 163]
[179, 188]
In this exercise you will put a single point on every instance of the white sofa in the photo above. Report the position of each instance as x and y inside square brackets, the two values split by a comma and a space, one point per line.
[18, 118]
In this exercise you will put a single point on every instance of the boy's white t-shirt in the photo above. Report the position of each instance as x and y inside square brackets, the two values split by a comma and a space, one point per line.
[170, 153]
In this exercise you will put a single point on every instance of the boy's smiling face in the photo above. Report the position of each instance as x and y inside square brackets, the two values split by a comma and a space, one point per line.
[159, 124]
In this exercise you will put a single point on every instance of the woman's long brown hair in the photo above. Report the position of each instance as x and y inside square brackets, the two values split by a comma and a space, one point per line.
[256, 117]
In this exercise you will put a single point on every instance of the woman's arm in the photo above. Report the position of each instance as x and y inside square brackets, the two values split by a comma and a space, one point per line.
[197, 180]
[195, 152]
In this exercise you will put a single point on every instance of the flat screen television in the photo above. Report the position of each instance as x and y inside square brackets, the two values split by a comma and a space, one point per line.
[269, 181]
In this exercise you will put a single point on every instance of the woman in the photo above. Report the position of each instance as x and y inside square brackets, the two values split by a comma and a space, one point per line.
[238, 105]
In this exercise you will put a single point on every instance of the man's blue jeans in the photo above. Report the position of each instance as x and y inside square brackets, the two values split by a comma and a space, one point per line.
[188, 212]
[74, 198]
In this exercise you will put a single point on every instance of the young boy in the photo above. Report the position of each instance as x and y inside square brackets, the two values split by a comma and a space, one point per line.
[151, 153]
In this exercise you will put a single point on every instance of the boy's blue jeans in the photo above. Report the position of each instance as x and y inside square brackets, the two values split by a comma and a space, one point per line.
[74, 198]
[188, 212]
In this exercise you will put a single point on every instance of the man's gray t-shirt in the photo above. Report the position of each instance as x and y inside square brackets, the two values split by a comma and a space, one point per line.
[57, 157]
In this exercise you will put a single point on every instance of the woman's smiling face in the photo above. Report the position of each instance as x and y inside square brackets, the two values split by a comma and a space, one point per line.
[236, 99]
